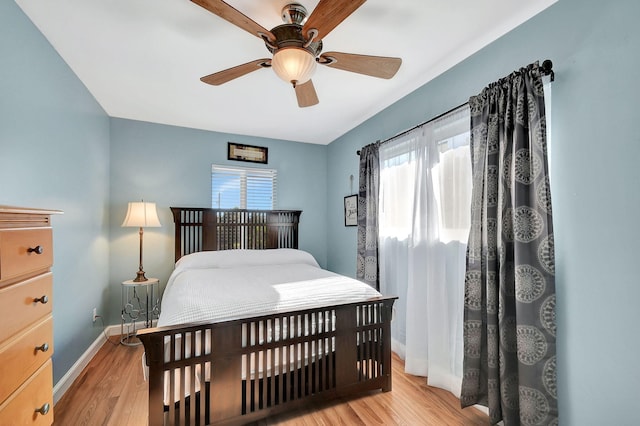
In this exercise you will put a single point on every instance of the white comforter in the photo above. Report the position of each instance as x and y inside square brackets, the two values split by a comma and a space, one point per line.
[232, 284]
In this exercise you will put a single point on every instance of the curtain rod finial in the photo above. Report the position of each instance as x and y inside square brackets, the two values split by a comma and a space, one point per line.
[547, 68]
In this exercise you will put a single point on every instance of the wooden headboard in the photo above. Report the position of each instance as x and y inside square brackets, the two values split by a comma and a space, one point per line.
[204, 229]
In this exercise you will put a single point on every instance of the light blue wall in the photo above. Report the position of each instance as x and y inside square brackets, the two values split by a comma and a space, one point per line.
[171, 166]
[54, 154]
[595, 149]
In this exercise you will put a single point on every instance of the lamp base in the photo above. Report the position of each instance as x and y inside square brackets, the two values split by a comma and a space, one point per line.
[140, 277]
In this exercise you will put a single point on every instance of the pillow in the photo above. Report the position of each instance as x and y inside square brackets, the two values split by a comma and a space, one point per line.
[240, 258]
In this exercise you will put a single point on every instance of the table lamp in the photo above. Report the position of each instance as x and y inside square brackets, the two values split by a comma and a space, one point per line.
[141, 214]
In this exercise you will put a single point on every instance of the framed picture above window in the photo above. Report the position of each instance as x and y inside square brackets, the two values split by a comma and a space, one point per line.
[351, 210]
[253, 154]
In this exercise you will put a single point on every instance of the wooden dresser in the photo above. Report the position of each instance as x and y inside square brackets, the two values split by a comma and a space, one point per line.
[26, 323]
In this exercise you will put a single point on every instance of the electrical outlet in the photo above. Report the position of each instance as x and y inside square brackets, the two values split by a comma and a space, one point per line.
[95, 314]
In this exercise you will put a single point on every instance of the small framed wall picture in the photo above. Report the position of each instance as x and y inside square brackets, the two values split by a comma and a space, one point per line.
[351, 210]
[253, 154]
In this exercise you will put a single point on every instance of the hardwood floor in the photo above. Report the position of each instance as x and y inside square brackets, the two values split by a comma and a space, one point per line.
[111, 391]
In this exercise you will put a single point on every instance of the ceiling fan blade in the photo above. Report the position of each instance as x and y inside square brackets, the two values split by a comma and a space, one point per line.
[375, 66]
[306, 94]
[229, 74]
[237, 18]
[328, 14]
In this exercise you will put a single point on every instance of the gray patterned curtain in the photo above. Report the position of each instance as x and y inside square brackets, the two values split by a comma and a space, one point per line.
[509, 316]
[369, 187]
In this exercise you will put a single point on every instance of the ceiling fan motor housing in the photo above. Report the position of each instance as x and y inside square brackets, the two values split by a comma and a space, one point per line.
[290, 35]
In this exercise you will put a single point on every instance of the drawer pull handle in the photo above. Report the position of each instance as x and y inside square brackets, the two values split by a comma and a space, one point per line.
[36, 250]
[44, 347]
[44, 300]
[44, 409]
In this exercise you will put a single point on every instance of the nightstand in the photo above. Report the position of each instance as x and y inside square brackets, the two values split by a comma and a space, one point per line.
[140, 303]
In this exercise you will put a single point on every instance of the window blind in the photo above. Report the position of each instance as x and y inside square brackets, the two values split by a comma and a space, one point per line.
[243, 187]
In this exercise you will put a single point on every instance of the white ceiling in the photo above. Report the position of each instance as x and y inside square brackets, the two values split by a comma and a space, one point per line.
[143, 59]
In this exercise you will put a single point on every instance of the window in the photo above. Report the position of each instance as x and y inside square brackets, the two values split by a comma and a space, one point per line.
[452, 177]
[443, 145]
[243, 188]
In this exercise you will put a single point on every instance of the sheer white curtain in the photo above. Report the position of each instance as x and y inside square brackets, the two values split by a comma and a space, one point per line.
[425, 196]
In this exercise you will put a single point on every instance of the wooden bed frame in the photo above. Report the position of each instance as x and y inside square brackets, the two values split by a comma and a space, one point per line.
[345, 348]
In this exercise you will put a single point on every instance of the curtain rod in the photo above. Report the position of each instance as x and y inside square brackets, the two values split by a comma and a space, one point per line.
[546, 68]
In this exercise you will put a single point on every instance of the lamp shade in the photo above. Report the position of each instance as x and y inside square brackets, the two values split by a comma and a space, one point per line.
[141, 214]
[294, 64]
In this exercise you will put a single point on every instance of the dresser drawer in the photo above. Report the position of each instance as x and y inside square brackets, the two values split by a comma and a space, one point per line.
[23, 355]
[24, 251]
[34, 394]
[18, 306]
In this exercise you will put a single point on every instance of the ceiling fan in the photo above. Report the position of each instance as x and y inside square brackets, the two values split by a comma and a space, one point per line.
[296, 46]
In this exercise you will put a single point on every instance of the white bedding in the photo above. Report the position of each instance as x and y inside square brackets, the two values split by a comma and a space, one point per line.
[232, 284]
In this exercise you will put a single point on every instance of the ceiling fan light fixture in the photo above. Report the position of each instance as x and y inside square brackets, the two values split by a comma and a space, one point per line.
[294, 64]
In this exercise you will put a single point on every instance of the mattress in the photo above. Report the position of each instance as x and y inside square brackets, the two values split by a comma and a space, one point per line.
[234, 284]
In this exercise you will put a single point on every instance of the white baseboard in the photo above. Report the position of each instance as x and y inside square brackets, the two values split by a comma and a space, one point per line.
[67, 380]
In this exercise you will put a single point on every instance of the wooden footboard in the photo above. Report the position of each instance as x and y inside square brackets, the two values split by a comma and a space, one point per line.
[239, 371]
